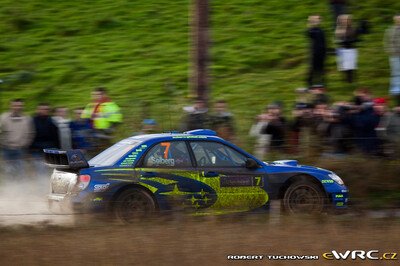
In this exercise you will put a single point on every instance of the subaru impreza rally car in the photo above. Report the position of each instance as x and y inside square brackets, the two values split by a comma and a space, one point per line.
[195, 171]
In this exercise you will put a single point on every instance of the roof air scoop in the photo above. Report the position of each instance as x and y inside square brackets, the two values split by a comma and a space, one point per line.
[202, 132]
[287, 162]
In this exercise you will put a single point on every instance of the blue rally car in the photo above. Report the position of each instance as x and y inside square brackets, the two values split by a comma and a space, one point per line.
[195, 171]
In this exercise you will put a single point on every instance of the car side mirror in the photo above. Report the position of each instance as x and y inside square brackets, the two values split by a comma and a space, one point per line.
[251, 164]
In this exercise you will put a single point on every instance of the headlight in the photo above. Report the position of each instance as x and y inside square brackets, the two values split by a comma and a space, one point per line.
[336, 178]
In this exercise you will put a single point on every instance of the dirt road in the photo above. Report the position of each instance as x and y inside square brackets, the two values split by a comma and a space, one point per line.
[198, 241]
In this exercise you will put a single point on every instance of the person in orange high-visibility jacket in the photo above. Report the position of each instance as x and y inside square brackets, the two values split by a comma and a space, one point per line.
[103, 115]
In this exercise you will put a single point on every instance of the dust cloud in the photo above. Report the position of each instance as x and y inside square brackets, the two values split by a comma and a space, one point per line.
[24, 202]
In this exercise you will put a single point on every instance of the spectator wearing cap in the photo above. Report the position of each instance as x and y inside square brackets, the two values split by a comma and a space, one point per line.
[317, 51]
[319, 95]
[392, 47]
[302, 95]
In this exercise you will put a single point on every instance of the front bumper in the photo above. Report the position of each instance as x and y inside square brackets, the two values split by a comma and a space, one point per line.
[339, 198]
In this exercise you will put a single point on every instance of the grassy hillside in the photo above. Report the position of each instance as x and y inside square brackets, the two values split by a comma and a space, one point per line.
[57, 51]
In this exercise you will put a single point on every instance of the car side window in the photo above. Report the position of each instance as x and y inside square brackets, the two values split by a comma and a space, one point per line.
[168, 154]
[214, 154]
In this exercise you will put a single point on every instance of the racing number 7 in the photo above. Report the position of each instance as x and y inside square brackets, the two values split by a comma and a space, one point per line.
[257, 180]
[166, 145]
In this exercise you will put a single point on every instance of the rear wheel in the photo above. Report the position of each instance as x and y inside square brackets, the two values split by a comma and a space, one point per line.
[304, 197]
[133, 205]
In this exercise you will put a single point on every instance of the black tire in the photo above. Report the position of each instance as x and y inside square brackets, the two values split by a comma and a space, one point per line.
[134, 204]
[304, 197]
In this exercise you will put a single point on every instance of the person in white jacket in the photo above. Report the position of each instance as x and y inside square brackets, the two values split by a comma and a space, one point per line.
[262, 140]
[16, 134]
[392, 47]
[62, 121]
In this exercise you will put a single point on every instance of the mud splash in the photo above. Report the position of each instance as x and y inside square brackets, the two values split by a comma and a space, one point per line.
[24, 202]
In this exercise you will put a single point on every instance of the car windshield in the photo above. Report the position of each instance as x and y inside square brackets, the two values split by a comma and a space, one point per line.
[111, 155]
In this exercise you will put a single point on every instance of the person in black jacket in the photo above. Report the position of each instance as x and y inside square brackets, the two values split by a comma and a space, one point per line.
[196, 116]
[317, 51]
[364, 124]
[338, 8]
[46, 137]
[46, 131]
[276, 127]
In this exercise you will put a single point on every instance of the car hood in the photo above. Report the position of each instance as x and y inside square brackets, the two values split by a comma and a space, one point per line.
[293, 166]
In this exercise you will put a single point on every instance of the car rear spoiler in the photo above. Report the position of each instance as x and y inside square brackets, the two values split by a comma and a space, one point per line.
[71, 159]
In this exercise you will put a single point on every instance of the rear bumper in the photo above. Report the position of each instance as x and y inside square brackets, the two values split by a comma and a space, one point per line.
[77, 203]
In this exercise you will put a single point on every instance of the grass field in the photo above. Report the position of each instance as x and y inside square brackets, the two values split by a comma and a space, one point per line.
[59, 51]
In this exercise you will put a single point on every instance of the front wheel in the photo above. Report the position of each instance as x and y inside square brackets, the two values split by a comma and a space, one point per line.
[304, 197]
[133, 205]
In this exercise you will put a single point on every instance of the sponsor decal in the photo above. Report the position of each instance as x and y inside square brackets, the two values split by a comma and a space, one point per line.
[76, 159]
[161, 161]
[101, 187]
[189, 137]
[98, 199]
[131, 158]
[236, 181]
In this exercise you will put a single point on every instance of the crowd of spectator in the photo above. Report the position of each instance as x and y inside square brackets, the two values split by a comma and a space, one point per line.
[23, 138]
[363, 124]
